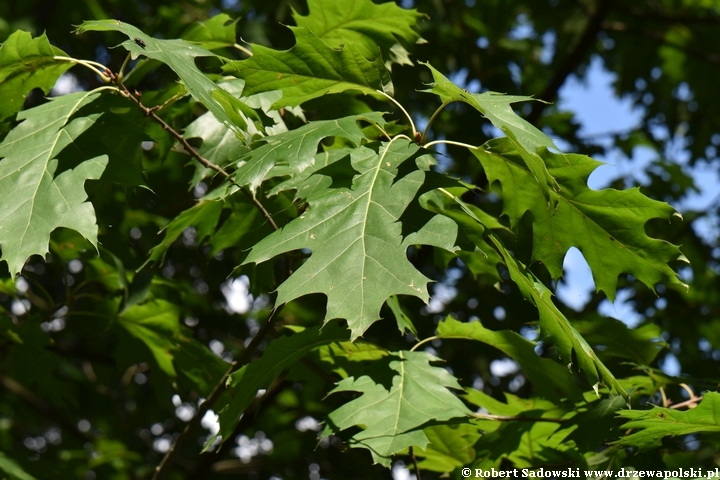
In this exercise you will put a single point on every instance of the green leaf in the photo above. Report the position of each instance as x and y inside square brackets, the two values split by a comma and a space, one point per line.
[373, 28]
[496, 108]
[281, 354]
[309, 70]
[180, 56]
[27, 63]
[204, 216]
[216, 32]
[392, 416]
[359, 255]
[451, 446]
[649, 427]
[607, 226]
[220, 145]
[405, 323]
[297, 148]
[547, 376]
[42, 177]
[570, 344]
[9, 466]
[532, 440]
[155, 323]
[640, 345]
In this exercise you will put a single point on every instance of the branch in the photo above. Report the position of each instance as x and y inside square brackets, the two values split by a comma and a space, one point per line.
[219, 389]
[150, 112]
[661, 39]
[43, 407]
[208, 459]
[641, 14]
[572, 61]
[411, 452]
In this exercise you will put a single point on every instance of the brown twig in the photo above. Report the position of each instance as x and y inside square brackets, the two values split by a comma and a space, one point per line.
[208, 459]
[219, 389]
[411, 452]
[150, 112]
[43, 407]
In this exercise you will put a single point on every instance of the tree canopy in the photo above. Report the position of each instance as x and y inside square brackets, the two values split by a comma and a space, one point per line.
[323, 238]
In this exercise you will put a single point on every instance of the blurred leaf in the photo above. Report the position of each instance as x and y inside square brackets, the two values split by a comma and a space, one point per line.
[9, 466]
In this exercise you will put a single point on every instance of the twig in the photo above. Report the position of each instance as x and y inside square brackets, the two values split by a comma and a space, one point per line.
[506, 418]
[208, 459]
[150, 112]
[688, 403]
[588, 37]
[411, 452]
[219, 389]
[399, 105]
[43, 407]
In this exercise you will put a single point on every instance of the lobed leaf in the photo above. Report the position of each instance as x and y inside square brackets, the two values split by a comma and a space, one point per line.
[547, 376]
[649, 427]
[27, 63]
[180, 56]
[42, 177]
[373, 28]
[496, 107]
[607, 226]
[392, 416]
[297, 148]
[570, 344]
[309, 70]
[358, 252]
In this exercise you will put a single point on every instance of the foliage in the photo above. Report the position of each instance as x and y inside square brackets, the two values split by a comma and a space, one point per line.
[302, 224]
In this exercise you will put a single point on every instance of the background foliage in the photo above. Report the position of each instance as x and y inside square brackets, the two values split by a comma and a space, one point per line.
[135, 280]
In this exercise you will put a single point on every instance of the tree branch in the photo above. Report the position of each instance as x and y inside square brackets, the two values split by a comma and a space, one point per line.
[150, 112]
[208, 459]
[411, 452]
[219, 389]
[43, 407]
[579, 51]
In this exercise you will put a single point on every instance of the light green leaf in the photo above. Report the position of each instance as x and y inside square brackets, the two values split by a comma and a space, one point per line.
[607, 226]
[570, 344]
[650, 426]
[496, 108]
[373, 28]
[547, 376]
[14, 470]
[204, 216]
[42, 177]
[27, 63]
[393, 415]
[309, 70]
[180, 56]
[297, 148]
[281, 354]
[359, 255]
[216, 32]
[156, 324]
[220, 145]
